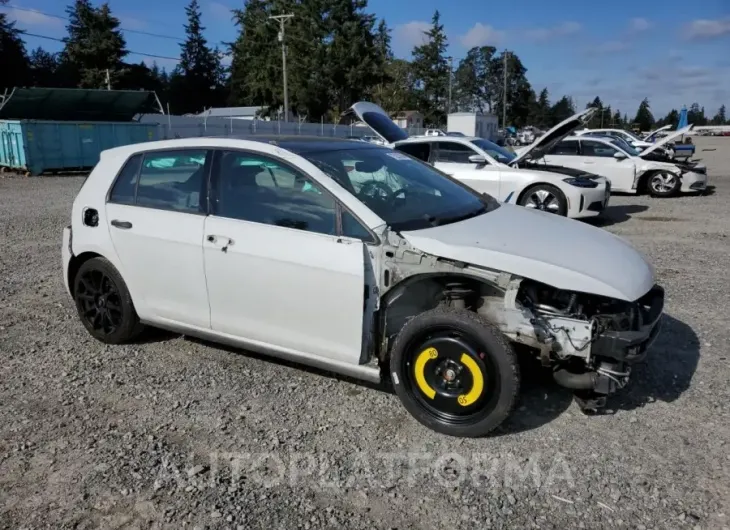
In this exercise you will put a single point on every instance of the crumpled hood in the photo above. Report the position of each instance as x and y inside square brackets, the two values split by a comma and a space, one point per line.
[544, 247]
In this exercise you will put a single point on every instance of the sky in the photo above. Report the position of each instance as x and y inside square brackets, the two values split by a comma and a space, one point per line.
[675, 52]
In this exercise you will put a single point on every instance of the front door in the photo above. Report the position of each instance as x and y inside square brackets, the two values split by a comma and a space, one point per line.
[453, 159]
[599, 158]
[277, 273]
[156, 218]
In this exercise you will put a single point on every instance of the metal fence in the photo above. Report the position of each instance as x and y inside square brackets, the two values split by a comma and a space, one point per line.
[191, 126]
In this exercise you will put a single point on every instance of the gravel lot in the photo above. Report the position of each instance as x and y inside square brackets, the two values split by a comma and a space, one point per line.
[175, 433]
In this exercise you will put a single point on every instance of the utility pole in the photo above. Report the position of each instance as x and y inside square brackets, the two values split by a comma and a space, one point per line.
[504, 91]
[451, 75]
[108, 80]
[282, 19]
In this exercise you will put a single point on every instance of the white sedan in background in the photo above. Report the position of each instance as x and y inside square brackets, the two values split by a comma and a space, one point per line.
[628, 169]
[491, 169]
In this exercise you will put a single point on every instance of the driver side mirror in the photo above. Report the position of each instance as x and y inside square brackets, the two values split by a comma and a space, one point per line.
[618, 155]
[477, 159]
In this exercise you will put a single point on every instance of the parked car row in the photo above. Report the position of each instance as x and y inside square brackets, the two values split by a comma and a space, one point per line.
[370, 261]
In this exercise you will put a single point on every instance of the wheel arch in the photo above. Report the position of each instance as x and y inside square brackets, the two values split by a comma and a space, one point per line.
[417, 294]
[531, 185]
[642, 184]
[75, 264]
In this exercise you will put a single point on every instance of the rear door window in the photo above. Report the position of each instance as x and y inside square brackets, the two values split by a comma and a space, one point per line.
[565, 148]
[454, 152]
[173, 180]
[124, 188]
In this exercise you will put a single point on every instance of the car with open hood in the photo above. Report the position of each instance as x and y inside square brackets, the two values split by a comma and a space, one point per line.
[506, 176]
[631, 170]
[358, 259]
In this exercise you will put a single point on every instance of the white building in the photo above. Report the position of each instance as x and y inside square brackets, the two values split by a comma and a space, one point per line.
[473, 124]
[408, 119]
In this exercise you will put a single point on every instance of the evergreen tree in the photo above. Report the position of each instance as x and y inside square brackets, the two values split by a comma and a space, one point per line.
[431, 70]
[542, 109]
[596, 120]
[644, 119]
[354, 58]
[94, 47]
[563, 109]
[472, 89]
[43, 68]
[197, 82]
[519, 92]
[721, 117]
[13, 58]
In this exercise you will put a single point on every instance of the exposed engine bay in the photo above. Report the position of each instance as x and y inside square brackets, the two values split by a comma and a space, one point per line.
[588, 341]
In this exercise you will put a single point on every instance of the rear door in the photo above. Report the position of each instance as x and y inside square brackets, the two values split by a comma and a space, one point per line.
[156, 211]
[278, 273]
[453, 159]
[565, 153]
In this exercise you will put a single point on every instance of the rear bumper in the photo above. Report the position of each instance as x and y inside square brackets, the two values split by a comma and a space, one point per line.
[66, 255]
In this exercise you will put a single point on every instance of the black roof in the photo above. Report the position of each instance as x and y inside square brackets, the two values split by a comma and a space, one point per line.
[309, 144]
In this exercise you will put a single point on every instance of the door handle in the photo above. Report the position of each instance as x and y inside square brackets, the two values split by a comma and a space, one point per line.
[227, 241]
[124, 225]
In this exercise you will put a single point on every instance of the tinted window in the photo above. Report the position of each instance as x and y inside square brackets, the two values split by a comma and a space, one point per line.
[500, 154]
[351, 227]
[252, 187]
[593, 148]
[124, 187]
[406, 193]
[453, 152]
[384, 126]
[172, 180]
[421, 150]
[568, 147]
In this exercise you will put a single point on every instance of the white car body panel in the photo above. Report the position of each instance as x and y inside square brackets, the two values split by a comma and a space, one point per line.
[624, 174]
[302, 296]
[162, 256]
[286, 270]
[525, 244]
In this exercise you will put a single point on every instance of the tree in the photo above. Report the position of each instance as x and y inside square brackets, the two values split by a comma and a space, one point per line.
[197, 81]
[43, 68]
[399, 93]
[720, 118]
[696, 115]
[540, 116]
[472, 90]
[13, 58]
[644, 118]
[431, 70]
[563, 109]
[94, 49]
[520, 95]
[616, 120]
[355, 58]
[597, 120]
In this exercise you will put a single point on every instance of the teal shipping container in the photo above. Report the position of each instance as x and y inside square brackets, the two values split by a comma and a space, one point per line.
[39, 146]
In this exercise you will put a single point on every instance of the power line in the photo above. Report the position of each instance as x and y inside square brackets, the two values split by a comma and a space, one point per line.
[59, 17]
[130, 52]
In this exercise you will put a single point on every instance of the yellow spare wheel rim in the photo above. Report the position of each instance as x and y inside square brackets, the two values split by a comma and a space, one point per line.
[449, 376]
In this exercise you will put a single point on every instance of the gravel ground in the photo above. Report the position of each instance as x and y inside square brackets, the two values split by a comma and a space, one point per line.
[174, 433]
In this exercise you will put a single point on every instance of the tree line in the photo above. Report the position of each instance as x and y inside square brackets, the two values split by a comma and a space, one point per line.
[338, 53]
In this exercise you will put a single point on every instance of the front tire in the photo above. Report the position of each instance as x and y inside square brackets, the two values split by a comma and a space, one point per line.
[664, 184]
[546, 198]
[455, 372]
[104, 304]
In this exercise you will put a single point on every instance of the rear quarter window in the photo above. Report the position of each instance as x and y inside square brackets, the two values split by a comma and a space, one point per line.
[123, 191]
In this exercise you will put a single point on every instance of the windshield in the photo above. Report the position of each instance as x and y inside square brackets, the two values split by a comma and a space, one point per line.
[500, 154]
[620, 142]
[629, 136]
[406, 193]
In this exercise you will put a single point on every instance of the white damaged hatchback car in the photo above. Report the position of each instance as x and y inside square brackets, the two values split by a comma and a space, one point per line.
[269, 245]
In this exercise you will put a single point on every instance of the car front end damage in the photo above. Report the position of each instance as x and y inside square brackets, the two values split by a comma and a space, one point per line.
[589, 342]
